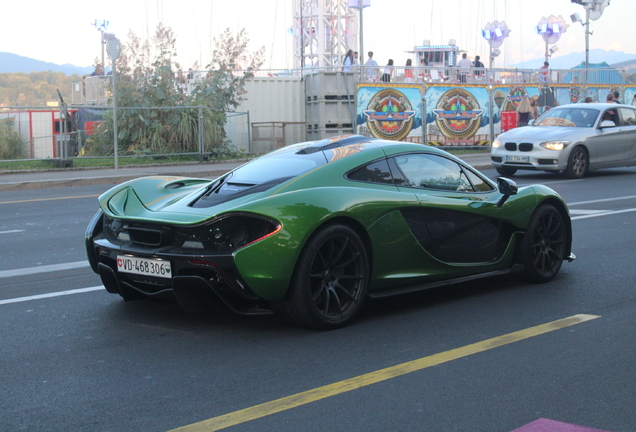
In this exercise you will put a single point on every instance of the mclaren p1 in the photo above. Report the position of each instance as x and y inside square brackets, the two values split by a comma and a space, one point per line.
[310, 230]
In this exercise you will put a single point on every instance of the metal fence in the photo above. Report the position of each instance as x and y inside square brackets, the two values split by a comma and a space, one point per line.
[434, 74]
[156, 131]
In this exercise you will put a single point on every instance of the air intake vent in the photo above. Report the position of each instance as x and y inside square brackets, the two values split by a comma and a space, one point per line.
[525, 147]
[147, 237]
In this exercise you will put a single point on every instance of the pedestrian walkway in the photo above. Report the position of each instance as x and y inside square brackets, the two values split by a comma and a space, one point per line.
[64, 177]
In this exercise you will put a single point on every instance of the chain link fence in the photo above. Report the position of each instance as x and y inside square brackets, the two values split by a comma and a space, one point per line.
[86, 131]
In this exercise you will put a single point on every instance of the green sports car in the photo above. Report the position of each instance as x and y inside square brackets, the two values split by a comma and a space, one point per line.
[310, 230]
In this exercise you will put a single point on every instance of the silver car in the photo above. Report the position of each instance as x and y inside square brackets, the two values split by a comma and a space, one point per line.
[570, 138]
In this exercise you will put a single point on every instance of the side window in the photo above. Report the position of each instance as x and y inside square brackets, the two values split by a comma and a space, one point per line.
[610, 115]
[375, 172]
[629, 116]
[432, 172]
[479, 184]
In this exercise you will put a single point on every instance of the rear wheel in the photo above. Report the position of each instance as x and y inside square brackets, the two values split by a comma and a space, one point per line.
[578, 163]
[330, 280]
[542, 248]
[506, 171]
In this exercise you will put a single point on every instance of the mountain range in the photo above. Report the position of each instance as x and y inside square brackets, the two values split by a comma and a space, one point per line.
[568, 61]
[12, 63]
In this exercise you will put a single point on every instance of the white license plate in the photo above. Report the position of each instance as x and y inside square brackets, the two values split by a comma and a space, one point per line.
[144, 266]
[515, 158]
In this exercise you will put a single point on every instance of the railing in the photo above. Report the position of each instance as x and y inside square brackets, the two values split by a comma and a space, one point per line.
[149, 132]
[457, 75]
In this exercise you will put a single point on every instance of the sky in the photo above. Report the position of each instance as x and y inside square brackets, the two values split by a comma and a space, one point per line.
[63, 32]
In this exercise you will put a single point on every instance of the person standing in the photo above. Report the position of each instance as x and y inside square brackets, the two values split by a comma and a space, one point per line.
[424, 72]
[524, 111]
[543, 74]
[348, 61]
[534, 112]
[479, 67]
[387, 72]
[371, 68]
[408, 71]
[464, 66]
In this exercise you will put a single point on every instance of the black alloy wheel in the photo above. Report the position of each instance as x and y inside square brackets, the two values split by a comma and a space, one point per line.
[543, 245]
[578, 163]
[506, 171]
[330, 280]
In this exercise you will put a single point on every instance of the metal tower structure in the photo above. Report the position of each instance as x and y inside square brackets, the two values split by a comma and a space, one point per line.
[324, 30]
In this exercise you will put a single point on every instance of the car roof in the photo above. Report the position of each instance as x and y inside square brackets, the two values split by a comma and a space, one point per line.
[362, 144]
[595, 105]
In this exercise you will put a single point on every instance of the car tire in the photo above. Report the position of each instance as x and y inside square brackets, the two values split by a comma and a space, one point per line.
[330, 281]
[578, 163]
[506, 171]
[542, 248]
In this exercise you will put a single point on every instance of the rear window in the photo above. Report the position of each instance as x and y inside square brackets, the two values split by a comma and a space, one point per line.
[281, 164]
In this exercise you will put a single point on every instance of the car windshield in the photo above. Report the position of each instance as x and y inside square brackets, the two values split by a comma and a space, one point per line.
[568, 117]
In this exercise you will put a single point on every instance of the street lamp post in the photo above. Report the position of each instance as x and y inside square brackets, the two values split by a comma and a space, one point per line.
[102, 25]
[495, 34]
[551, 29]
[360, 4]
[593, 11]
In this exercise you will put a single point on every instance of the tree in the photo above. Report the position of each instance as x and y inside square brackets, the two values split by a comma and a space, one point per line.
[35, 88]
[12, 145]
[149, 78]
[223, 88]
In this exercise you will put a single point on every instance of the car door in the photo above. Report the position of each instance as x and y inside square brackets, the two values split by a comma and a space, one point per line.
[454, 222]
[606, 144]
[628, 119]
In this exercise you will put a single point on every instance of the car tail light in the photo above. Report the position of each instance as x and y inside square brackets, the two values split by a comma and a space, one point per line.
[227, 233]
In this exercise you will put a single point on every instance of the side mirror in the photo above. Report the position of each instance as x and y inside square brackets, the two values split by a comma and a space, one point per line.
[507, 188]
[531, 122]
[607, 124]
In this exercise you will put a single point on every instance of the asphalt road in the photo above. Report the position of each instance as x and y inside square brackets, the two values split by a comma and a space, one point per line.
[471, 357]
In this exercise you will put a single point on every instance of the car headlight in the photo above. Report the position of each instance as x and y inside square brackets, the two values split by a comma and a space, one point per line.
[496, 143]
[554, 145]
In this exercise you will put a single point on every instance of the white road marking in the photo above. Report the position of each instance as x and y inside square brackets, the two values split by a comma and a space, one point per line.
[11, 231]
[585, 212]
[49, 295]
[609, 213]
[43, 269]
[602, 200]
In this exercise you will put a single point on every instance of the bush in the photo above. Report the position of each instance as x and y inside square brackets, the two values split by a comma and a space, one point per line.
[12, 145]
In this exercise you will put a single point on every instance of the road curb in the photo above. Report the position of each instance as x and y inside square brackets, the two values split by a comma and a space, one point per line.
[115, 179]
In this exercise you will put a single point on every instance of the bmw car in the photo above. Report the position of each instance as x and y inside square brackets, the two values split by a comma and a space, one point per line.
[311, 230]
[571, 139]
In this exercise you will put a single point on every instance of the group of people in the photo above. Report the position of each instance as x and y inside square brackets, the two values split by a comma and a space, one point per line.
[526, 111]
[373, 72]
[612, 97]
[465, 65]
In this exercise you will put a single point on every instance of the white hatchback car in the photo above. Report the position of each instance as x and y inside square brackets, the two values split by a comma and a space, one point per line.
[570, 138]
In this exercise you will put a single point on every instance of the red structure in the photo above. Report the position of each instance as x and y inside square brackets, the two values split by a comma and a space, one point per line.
[508, 120]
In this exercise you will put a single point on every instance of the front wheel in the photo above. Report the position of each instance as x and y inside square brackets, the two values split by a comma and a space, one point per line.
[506, 171]
[578, 163]
[330, 280]
[542, 248]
